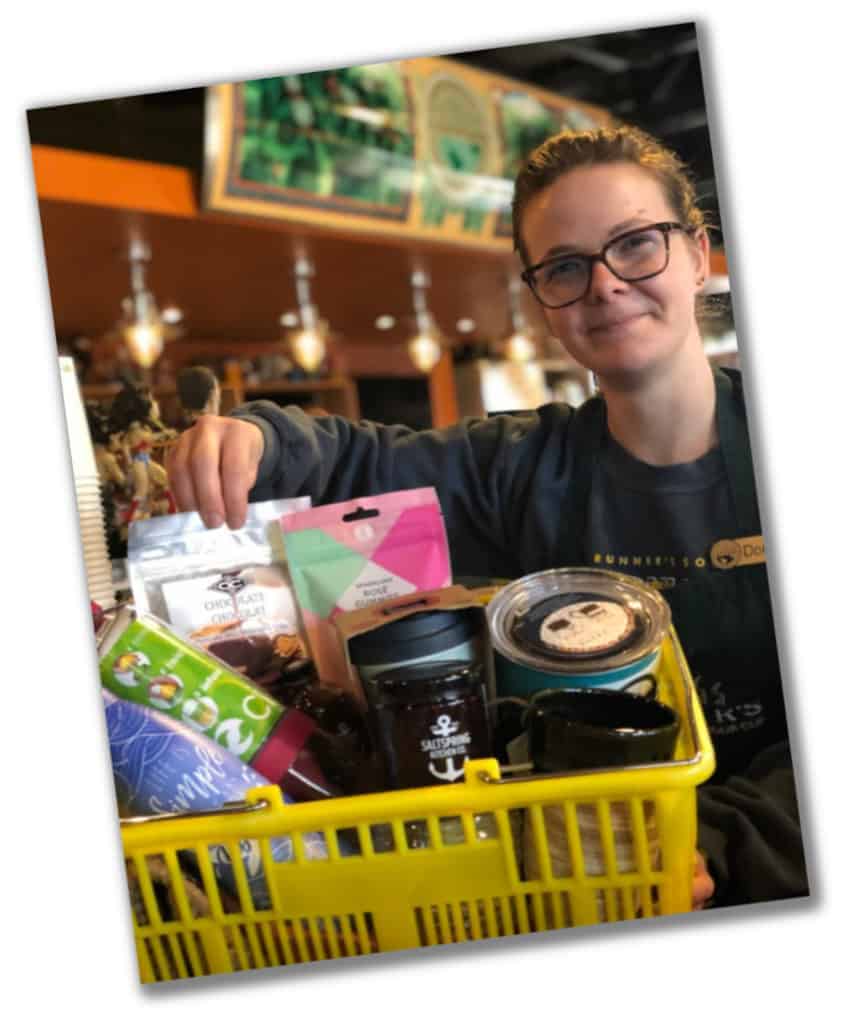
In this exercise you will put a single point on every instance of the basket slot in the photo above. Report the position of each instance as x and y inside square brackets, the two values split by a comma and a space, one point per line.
[551, 848]
[490, 916]
[552, 910]
[253, 942]
[310, 847]
[567, 910]
[432, 926]
[452, 830]
[642, 852]
[335, 944]
[194, 954]
[276, 848]
[178, 886]
[535, 904]
[136, 899]
[237, 944]
[630, 902]
[383, 838]
[357, 929]
[145, 887]
[225, 869]
[608, 905]
[657, 831]
[485, 828]
[510, 828]
[445, 922]
[180, 966]
[256, 889]
[506, 916]
[521, 918]
[145, 967]
[536, 844]
[417, 834]
[369, 922]
[157, 956]
[312, 935]
[607, 840]
[475, 912]
[457, 923]
[297, 932]
[287, 944]
[347, 842]
[420, 925]
[246, 863]
[265, 933]
[208, 878]
[574, 844]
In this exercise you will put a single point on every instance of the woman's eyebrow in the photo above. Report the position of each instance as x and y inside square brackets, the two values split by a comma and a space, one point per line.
[617, 229]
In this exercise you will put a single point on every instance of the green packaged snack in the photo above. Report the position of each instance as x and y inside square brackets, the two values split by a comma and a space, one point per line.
[141, 660]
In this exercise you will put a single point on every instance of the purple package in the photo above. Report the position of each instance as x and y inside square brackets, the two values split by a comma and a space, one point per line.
[162, 766]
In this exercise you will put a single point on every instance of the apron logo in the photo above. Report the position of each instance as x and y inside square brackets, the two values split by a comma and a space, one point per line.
[729, 554]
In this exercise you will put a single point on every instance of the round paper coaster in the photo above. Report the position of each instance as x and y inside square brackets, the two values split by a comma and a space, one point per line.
[587, 627]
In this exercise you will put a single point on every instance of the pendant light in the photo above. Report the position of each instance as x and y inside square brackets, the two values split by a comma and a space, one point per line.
[518, 347]
[143, 329]
[308, 345]
[425, 347]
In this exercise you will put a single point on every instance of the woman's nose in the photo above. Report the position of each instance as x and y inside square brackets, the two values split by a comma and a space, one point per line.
[604, 283]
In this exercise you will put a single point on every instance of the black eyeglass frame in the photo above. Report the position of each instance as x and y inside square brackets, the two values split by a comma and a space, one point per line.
[665, 226]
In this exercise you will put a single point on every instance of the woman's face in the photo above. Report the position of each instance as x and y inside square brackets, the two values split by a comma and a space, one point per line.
[618, 329]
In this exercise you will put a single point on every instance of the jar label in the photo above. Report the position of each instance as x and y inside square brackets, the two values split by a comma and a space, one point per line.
[446, 748]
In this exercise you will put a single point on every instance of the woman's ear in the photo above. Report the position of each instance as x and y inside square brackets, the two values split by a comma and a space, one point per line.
[701, 250]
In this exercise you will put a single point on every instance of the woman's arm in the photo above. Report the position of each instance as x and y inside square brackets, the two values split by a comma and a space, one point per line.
[488, 473]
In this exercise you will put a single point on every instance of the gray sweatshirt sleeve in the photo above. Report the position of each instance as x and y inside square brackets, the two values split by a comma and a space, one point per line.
[489, 473]
[750, 832]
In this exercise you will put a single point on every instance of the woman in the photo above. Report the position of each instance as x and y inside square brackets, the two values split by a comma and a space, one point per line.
[654, 478]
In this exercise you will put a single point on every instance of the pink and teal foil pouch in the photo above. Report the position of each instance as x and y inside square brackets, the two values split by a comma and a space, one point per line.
[357, 553]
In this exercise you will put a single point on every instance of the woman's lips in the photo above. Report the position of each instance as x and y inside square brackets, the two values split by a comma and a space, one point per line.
[613, 324]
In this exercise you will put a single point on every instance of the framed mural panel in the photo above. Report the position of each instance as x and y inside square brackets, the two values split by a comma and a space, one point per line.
[428, 146]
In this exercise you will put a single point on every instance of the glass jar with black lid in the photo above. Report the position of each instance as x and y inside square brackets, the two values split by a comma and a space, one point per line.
[428, 719]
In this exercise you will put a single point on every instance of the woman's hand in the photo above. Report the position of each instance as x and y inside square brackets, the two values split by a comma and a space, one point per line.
[213, 466]
[703, 883]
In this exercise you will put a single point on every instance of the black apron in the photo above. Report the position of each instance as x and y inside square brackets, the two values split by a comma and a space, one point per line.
[722, 616]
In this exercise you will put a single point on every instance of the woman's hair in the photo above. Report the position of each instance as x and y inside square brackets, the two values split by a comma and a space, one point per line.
[570, 150]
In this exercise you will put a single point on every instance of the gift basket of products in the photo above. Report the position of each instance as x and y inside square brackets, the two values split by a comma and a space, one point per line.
[324, 748]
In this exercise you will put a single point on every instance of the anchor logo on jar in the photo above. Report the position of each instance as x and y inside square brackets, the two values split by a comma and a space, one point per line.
[447, 747]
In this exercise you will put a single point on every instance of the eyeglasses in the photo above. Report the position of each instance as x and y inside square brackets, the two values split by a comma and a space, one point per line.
[632, 256]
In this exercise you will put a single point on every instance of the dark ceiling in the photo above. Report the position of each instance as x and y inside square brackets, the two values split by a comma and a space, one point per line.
[648, 77]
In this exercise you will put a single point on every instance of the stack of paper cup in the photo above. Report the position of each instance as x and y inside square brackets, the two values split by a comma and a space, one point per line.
[87, 493]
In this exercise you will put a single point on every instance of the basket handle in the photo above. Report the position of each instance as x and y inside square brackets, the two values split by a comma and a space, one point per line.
[232, 807]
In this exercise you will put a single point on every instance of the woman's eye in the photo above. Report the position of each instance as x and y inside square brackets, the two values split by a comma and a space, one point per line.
[636, 243]
[563, 270]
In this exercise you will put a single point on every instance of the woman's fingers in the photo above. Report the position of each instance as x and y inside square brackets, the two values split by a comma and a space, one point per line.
[241, 453]
[212, 467]
[703, 883]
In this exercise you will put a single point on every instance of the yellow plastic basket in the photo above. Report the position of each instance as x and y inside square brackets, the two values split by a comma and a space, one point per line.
[485, 858]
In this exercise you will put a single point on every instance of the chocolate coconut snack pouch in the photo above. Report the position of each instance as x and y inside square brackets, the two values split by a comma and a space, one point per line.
[359, 552]
[226, 591]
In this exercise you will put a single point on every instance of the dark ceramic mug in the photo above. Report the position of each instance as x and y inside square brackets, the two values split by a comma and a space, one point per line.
[580, 729]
